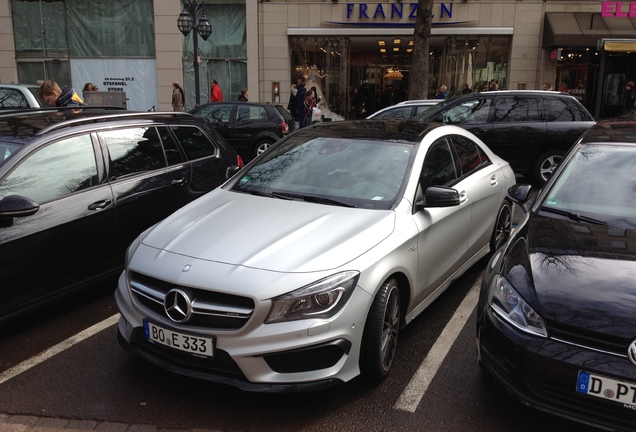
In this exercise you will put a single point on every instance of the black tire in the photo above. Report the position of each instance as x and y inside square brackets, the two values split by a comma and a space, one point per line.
[261, 146]
[379, 341]
[545, 165]
[503, 226]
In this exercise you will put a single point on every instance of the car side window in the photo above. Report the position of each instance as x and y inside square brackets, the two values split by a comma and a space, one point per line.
[217, 113]
[12, 98]
[250, 112]
[516, 109]
[194, 142]
[470, 157]
[401, 113]
[173, 155]
[557, 110]
[134, 150]
[439, 167]
[54, 171]
[470, 111]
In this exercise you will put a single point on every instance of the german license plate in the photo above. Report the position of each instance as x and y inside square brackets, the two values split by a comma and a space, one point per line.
[606, 388]
[180, 341]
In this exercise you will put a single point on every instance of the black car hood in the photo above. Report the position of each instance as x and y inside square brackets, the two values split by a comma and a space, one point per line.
[576, 275]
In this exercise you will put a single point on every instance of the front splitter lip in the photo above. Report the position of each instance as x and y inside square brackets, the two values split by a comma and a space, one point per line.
[228, 380]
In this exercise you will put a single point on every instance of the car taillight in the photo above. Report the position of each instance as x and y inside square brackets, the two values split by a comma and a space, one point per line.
[239, 161]
[285, 127]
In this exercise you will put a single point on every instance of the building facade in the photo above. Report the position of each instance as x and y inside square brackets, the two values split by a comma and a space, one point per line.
[583, 47]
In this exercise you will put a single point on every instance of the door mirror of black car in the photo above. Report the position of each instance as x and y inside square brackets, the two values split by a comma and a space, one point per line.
[438, 196]
[17, 206]
[231, 170]
[520, 194]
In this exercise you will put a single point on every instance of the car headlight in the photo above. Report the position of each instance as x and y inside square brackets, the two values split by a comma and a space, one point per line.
[509, 305]
[321, 299]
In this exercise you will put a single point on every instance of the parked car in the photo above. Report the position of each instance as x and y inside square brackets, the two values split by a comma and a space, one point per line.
[77, 187]
[404, 110]
[530, 129]
[14, 96]
[249, 127]
[556, 323]
[358, 227]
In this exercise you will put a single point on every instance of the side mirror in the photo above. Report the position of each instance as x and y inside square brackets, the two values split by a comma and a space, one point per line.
[17, 206]
[439, 196]
[520, 194]
[230, 171]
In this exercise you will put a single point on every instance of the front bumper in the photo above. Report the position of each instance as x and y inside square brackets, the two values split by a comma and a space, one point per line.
[291, 356]
[542, 373]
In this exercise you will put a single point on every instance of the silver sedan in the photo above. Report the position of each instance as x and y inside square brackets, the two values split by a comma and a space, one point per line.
[300, 271]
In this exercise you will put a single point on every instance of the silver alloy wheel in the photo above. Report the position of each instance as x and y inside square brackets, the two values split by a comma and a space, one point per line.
[548, 165]
[390, 327]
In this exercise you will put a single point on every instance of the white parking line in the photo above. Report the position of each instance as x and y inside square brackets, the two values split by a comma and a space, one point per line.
[414, 391]
[47, 354]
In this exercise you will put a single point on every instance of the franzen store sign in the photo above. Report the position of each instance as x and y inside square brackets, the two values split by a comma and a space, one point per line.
[619, 9]
[393, 11]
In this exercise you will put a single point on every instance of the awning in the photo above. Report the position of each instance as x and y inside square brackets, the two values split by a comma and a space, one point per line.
[584, 29]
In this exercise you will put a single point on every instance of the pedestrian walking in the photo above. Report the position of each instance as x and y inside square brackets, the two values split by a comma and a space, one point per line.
[178, 97]
[216, 93]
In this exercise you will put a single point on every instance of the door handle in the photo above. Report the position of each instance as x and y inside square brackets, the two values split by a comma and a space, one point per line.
[494, 181]
[463, 197]
[178, 182]
[100, 205]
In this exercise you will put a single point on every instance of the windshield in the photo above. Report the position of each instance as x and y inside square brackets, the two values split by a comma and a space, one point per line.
[598, 183]
[334, 171]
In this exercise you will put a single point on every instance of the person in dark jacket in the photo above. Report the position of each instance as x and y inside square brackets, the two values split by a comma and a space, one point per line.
[243, 96]
[291, 105]
[55, 96]
[300, 104]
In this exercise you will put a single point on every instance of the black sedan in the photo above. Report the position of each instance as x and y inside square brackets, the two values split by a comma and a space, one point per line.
[76, 187]
[557, 310]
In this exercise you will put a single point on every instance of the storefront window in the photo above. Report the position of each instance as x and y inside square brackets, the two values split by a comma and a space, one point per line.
[322, 62]
[576, 74]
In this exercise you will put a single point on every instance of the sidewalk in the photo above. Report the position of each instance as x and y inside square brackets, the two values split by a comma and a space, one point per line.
[20, 423]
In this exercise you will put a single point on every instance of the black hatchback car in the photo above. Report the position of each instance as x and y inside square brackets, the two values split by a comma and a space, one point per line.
[76, 187]
[556, 319]
[530, 129]
[249, 127]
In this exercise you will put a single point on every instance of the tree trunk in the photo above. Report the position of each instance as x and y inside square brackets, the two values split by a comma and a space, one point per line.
[418, 81]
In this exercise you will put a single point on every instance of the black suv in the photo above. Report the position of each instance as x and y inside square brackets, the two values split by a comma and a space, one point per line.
[77, 187]
[532, 130]
[249, 127]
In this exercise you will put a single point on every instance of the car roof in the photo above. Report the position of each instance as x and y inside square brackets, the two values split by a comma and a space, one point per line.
[611, 131]
[371, 129]
[16, 86]
[419, 101]
[26, 125]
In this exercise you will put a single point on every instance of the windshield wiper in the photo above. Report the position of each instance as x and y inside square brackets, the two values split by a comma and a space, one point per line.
[574, 216]
[259, 192]
[314, 199]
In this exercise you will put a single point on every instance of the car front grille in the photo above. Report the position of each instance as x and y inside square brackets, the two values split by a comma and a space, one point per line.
[308, 359]
[598, 342]
[210, 310]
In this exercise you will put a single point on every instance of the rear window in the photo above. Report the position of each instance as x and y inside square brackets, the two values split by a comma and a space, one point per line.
[194, 142]
[563, 110]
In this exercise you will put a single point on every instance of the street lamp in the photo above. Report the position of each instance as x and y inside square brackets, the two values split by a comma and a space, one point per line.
[186, 22]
